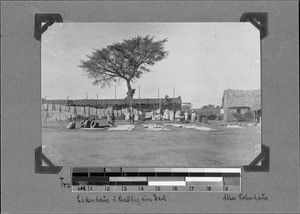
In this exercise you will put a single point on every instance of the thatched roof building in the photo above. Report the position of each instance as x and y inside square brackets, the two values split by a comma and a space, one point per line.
[242, 98]
[241, 105]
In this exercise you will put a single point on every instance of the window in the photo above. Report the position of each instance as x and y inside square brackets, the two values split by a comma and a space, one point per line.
[238, 110]
[244, 111]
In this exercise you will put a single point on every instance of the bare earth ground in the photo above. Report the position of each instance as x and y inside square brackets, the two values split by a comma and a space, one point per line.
[179, 147]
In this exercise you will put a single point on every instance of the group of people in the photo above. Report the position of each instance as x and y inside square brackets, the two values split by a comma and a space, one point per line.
[193, 116]
[86, 123]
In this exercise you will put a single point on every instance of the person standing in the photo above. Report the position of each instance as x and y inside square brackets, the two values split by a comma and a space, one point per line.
[186, 116]
[131, 115]
[193, 117]
[113, 119]
[166, 114]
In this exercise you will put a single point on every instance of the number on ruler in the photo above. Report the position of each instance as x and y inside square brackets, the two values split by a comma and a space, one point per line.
[81, 188]
[124, 188]
[174, 188]
[107, 188]
[141, 188]
[191, 188]
[226, 188]
[157, 188]
[208, 188]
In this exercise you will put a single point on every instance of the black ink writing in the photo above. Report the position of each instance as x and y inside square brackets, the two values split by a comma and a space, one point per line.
[228, 197]
[96, 199]
[124, 199]
[128, 199]
[147, 199]
[246, 197]
[64, 184]
[159, 198]
[254, 197]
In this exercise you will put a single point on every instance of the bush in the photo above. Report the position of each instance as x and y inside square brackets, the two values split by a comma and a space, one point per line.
[212, 117]
[204, 119]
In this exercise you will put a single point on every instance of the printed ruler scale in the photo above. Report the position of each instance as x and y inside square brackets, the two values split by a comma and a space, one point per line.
[116, 179]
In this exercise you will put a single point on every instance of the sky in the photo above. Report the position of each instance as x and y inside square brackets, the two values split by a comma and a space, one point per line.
[204, 60]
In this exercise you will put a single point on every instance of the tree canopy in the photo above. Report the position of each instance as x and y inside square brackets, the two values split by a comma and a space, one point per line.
[126, 60]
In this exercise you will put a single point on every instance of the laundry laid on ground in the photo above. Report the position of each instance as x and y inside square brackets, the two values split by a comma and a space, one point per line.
[95, 129]
[121, 128]
[155, 127]
[234, 126]
[201, 128]
[173, 124]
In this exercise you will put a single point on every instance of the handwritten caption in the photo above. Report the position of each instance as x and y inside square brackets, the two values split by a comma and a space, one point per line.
[120, 198]
[246, 197]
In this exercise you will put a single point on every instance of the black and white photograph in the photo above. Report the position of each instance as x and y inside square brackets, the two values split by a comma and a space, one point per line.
[151, 94]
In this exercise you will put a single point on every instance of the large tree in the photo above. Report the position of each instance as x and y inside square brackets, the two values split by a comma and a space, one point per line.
[126, 60]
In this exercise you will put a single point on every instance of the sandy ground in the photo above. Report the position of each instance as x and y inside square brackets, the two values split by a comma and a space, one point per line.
[179, 147]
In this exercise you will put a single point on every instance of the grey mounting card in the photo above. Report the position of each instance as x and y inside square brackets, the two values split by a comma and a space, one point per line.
[25, 186]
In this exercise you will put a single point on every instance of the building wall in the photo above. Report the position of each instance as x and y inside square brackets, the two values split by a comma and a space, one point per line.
[142, 104]
[243, 115]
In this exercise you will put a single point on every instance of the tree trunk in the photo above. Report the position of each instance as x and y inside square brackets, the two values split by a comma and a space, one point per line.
[128, 86]
[131, 91]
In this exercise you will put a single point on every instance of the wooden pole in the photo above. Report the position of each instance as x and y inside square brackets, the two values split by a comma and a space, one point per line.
[173, 92]
[173, 104]
[115, 92]
[139, 98]
[97, 101]
[158, 99]
[130, 114]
